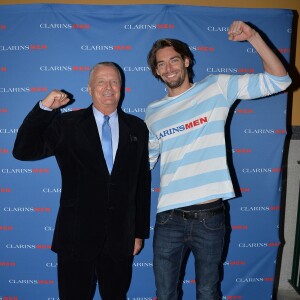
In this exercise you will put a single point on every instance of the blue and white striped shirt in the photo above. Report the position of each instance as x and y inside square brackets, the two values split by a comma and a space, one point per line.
[187, 133]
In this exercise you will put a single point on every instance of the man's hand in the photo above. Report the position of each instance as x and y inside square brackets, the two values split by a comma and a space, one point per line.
[138, 245]
[55, 99]
[239, 31]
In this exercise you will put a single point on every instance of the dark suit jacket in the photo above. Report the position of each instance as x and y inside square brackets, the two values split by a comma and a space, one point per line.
[94, 205]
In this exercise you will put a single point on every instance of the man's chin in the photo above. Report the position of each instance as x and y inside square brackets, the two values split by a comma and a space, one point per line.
[173, 85]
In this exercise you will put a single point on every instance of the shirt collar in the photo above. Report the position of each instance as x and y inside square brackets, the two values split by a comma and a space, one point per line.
[99, 115]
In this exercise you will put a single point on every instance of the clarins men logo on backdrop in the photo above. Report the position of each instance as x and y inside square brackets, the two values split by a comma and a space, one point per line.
[30, 281]
[106, 47]
[27, 246]
[261, 170]
[254, 279]
[229, 70]
[25, 89]
[24, 171]
[258, 245]
[264, 131]
[260, 208]
[23, 47]
[148, 26]
[24, 209]
[64, 68]
[64, 26]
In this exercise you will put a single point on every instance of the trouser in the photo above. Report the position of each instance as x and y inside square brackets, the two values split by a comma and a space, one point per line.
[77, 279]
[175, 233]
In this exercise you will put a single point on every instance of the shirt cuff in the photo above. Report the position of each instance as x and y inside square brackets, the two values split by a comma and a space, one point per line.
[44, 107]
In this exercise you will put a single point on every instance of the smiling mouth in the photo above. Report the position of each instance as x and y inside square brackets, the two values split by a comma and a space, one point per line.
[170, 75]
[108, 94]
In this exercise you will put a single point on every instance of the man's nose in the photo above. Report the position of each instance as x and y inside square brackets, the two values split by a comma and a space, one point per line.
[108, 85]
[169, 66]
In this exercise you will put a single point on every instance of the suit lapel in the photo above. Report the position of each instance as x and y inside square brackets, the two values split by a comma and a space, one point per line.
[124, 132]
[89, 127]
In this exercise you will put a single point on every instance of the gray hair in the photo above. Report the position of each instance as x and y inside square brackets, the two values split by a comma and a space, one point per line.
[105, 63]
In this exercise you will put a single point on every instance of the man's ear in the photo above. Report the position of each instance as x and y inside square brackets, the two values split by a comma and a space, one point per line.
[90, 90]
[186, 62]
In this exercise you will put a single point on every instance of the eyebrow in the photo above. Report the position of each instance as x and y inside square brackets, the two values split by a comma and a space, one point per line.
[176, 56]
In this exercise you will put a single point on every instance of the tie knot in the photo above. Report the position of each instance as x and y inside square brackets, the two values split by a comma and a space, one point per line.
[106, 118]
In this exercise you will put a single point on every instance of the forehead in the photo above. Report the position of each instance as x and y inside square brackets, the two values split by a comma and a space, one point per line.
[106, 71]
[166, 53]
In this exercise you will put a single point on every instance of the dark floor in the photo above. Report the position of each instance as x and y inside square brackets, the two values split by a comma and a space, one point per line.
[287, 295]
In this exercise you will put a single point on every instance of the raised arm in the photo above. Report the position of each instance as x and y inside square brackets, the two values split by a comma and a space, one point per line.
[240, 31]
[55, 99]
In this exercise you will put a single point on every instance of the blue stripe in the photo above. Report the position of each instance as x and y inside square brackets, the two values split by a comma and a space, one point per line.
[193, 157]
[254, 90]
[195, 181]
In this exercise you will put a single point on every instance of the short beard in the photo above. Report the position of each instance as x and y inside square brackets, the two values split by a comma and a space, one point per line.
[175, 84]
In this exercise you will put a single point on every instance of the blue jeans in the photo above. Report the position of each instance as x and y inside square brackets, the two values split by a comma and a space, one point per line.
[173, 237]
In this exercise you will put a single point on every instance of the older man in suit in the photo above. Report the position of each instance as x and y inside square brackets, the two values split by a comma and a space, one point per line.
[104, 210]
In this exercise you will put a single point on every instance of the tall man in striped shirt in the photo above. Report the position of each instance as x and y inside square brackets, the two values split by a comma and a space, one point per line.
[187, 132]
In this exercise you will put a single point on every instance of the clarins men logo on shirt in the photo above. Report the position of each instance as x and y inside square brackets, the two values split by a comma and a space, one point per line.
[186, 126]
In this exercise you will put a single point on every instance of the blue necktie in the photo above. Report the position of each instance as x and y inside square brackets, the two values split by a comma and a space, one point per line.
[107, 143]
